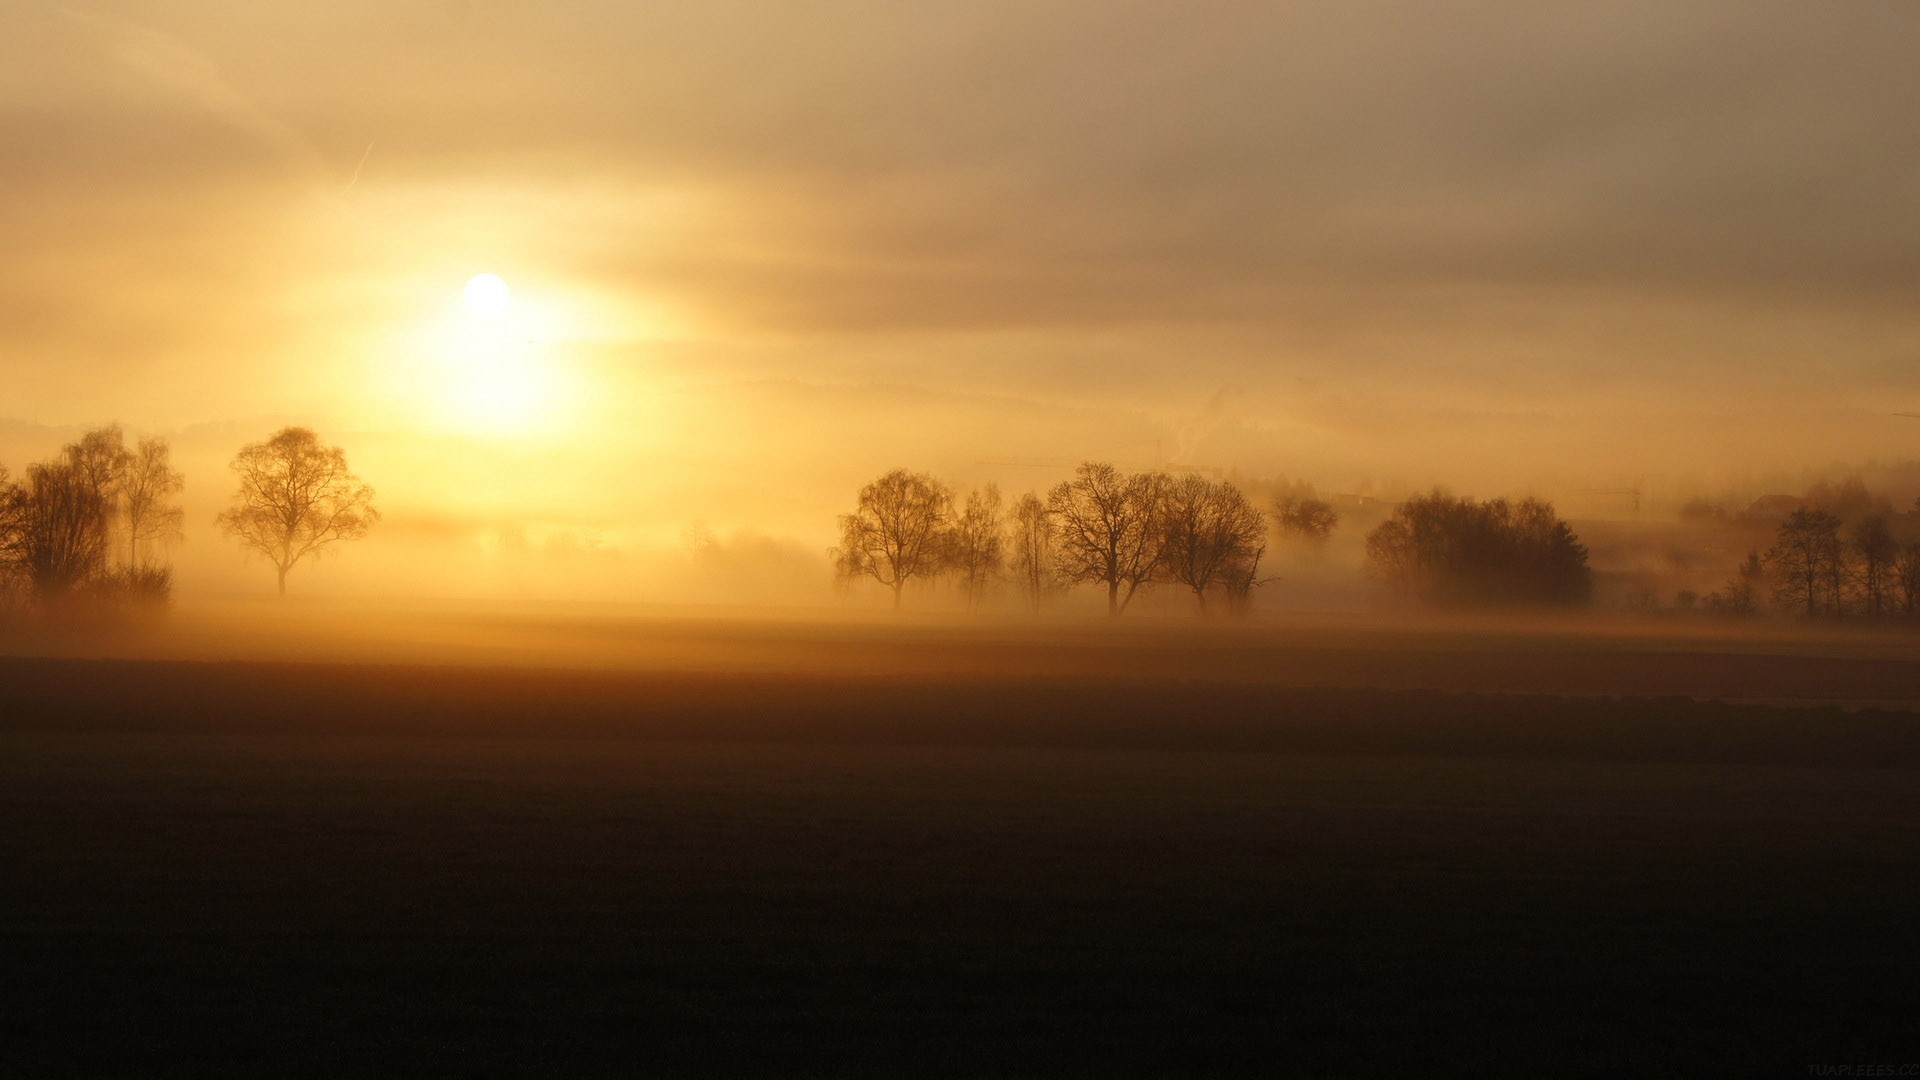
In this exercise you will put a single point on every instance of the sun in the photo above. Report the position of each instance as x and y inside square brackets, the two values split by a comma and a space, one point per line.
[487, 295]
[494, 371]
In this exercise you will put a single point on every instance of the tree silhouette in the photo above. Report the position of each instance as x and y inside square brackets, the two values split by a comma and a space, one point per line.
[99, 462]
[147, 484]
[56, 526]
[974, 545]
[1906, 577]
[1303, 517]
[1032, 556]
[1807, 562]
[63, 531]
[1212, 536]
[296, 498]
[1108, 529]
[100, 459]
[1447, 550]
[1873, 549]
[1741, 596]
[897, 531]
[1849, 500]
[13, 519]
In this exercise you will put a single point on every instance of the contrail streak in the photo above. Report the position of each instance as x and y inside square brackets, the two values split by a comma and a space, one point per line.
[355, 178]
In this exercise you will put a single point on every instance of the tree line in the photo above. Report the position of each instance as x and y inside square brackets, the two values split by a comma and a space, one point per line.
[1120, 532]
[1823, 565]
[85, 522]
[1114, 530]
[92, 524]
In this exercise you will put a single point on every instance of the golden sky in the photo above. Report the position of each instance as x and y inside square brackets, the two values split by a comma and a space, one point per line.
[759, 252]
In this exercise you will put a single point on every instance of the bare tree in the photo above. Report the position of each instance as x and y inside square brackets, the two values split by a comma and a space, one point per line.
[1240, 578]
[1873, 549]
[13, 536]
[100, 459]
[1108, 529]
[1395, 557]
[147, 486]
[62, 531]
[56, 527]
[1906, 577]
[1807, 562]
[897, 531]
[296, 498]
[975, 546]
[1302, 517]
[99, 463]
[1212, 536]
[1032, 558]
[1741, 596]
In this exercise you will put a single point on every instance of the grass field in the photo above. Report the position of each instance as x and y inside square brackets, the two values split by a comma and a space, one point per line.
[934, 851]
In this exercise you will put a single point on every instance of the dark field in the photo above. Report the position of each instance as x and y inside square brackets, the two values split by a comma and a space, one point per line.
[943, 854]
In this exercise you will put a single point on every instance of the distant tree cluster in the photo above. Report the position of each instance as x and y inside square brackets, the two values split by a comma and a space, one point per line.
[91, 524]
[1446, 550]
[87, 524]
[1115, 530]
[1837, 551]
[1300, 516]
[1821, 565]
[1743, 594]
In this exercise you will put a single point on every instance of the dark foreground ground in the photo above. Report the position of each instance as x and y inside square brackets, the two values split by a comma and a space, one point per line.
[274, 870]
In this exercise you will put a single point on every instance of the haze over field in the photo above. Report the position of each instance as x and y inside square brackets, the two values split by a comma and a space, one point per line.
[1511, 248]
[841, 538]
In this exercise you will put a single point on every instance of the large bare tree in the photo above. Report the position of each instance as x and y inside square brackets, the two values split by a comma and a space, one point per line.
[146, 491]
[975, 546]
[62, 527]
[1212, 537]
[13, 536]
[1873, 549]
[296, 498]
[1031, 551]
[99, 464]
[1108, 529]
[1906, 578]
[100, 459]
[897, 531]
[1808, 563]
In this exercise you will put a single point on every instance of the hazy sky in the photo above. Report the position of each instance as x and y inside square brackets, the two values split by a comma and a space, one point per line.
[762, 250]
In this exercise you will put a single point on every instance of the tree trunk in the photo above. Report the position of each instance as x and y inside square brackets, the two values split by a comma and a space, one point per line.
[896, 594]
[283, 581]
[1113, 598]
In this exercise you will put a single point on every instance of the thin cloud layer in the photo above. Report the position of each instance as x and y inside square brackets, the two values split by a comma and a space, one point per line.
[1463, 242]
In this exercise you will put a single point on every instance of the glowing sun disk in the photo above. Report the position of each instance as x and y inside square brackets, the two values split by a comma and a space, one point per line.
[487, 294]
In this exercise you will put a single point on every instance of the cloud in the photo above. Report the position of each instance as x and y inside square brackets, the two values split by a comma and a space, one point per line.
[1497, 227]
[191, 76]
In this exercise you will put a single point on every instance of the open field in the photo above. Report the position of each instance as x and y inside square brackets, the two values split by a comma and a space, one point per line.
[930, 849]
[1583, 654]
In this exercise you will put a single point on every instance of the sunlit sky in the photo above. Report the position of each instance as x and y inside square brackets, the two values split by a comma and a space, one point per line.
[754, 253]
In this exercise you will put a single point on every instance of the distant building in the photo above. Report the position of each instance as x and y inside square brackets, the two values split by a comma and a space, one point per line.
[1772, 509]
